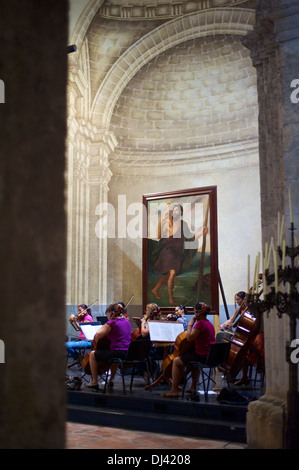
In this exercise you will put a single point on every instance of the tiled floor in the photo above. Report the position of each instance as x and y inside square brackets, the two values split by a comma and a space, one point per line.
[81, 436]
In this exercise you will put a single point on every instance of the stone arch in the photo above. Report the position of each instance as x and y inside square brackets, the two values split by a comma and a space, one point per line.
[208, 22]
[84, 21]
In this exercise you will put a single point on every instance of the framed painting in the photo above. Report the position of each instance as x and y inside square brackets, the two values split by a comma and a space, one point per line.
[180, 249]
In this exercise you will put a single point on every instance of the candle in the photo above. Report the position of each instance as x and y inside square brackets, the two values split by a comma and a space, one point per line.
[281, 229]
[269, 254]
[291, 210]
[283, 254]
[248, 273]
[257, 272]
[264, 277]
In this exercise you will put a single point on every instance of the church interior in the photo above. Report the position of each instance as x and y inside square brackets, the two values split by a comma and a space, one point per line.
[109, 108]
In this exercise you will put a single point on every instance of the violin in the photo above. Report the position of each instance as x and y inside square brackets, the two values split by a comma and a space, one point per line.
[172, 317]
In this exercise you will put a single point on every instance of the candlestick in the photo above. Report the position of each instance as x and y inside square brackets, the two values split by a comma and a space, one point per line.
[283, 254]
[275, 270]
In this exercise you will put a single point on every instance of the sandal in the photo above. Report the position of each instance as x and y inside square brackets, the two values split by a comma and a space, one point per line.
[194, 397]
[242, 382]
[92, 386]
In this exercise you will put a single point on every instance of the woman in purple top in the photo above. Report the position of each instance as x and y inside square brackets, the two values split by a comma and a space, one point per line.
[118, 331]
[200, 331]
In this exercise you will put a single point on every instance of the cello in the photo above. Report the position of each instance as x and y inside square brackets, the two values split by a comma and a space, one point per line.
[246, 326]
[181, 346]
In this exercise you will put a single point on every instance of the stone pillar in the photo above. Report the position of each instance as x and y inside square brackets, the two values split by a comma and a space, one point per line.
[99, 178]
[274, 46]
[33, 224]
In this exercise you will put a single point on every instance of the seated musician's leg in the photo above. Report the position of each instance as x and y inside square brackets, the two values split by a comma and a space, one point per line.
[94, 370]
[178, 372]
[195, 373]
[113, 370]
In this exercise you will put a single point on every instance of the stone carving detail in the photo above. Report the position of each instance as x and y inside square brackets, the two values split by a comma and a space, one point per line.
[167, 10]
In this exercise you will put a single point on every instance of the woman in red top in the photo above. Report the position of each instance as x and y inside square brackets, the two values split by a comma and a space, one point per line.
[202, 332]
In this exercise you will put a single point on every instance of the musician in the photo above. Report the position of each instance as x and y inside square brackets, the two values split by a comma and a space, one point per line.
[84, 315]
[239, 300]
[200, 331]
[124, 309]
[118, 331]
[179, 315]
[152, 312]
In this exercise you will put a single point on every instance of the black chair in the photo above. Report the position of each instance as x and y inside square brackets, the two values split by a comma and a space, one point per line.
[217, 357]
[138, 354]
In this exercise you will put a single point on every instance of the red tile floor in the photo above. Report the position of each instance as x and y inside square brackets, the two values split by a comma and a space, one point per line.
[81, 436]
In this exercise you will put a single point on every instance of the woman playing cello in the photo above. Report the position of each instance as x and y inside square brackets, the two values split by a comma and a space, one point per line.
[202, 332]
[118, 331]
[239, 299]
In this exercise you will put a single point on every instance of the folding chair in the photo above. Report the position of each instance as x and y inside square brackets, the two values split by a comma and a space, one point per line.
[217, 357]
[138, 354]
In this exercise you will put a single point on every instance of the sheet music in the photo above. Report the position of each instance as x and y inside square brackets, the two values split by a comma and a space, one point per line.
[164, 331]
[89, 330]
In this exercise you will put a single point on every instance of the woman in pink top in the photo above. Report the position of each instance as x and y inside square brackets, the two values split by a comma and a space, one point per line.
[202, 332]
[84, 315]
[118, 331]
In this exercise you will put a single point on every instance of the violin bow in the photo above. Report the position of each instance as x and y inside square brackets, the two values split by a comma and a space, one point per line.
[74, 323]
[189, 301]
[130, 300]
[90, 305]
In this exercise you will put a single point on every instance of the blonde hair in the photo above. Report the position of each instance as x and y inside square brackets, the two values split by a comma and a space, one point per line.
[154, 311]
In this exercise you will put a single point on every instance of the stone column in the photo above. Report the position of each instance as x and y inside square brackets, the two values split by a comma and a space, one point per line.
[274, 46]
[99, 177]
[33, 65]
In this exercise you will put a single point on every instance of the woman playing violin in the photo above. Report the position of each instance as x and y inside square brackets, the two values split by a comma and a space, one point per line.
[84, 315]
[200, 331]
[118, 331]
[179, 315]
[152, 312]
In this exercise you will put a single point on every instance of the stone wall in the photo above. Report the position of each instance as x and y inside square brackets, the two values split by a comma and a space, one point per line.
[33, 224]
